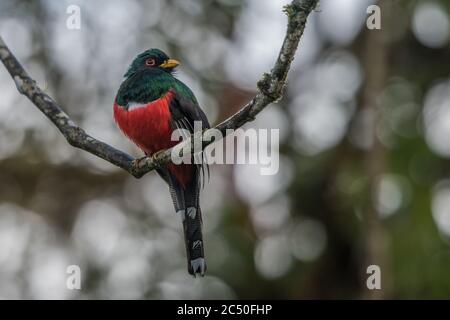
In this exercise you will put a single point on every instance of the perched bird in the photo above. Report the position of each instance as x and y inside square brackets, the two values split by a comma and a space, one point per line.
[150, 104]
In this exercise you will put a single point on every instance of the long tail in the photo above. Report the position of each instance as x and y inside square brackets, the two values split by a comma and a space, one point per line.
[186, 203]
[192, 227]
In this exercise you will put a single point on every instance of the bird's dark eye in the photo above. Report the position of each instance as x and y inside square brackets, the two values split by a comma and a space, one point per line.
[150, 62]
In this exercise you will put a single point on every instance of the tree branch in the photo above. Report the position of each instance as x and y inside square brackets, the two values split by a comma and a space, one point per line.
[270, 89]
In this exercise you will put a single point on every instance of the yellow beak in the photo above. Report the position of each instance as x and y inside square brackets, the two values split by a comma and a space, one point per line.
[171, 63]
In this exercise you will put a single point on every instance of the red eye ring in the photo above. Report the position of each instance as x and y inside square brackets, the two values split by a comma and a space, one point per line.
[150, 62]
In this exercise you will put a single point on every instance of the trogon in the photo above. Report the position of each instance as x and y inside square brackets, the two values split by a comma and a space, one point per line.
[150, 104]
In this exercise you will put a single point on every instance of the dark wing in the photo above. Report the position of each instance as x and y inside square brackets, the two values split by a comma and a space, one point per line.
[184, 108]
[185, 111]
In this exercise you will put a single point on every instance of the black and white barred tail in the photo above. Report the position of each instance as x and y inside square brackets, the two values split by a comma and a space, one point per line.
[192, 227]
[186, 202]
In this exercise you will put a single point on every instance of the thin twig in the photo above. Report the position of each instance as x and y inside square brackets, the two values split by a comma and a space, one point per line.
[270, 89]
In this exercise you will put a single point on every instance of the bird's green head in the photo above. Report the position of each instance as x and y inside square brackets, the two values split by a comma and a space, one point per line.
[152, 59]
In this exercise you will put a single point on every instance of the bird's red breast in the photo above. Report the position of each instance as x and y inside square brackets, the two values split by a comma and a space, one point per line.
[148, 125]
